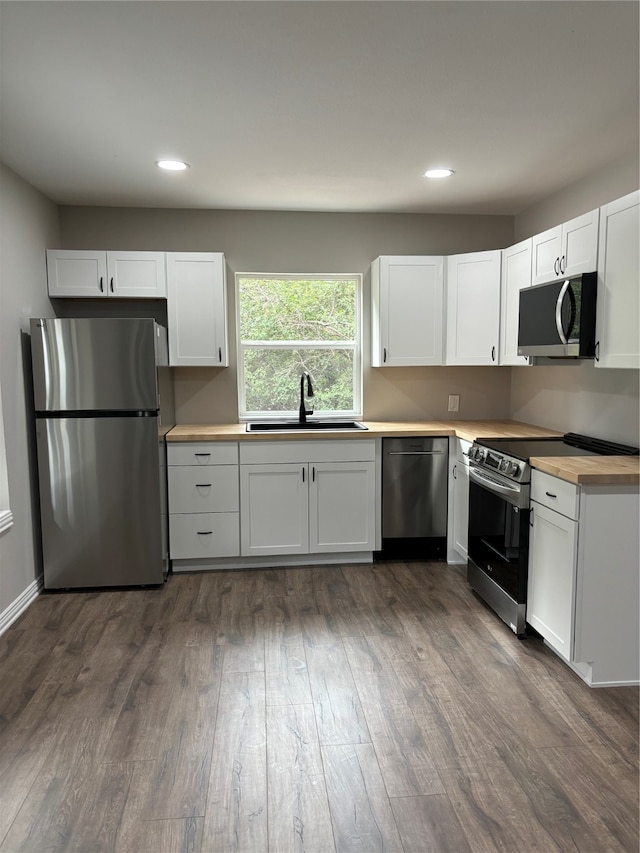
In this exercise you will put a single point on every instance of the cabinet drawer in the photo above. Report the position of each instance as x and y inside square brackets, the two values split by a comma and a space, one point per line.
[202, 453]
[213, 488]
[332, 450]
[211, 534]
[556, 494]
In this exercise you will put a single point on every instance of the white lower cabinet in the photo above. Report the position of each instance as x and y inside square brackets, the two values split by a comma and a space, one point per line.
[274, 507]
[307, 497]
[553, 548]
[204, 518]
[458, 515]
[341, 506]
[584, 587]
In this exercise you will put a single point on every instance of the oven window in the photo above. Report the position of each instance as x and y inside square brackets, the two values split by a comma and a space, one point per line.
[499, 540]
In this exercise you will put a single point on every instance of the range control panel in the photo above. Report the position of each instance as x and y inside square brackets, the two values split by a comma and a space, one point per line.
[507, 466]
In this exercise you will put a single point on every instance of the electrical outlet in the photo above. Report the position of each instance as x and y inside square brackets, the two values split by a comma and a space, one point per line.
[454, 402]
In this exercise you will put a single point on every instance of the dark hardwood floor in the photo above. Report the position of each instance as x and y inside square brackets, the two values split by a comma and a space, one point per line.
[356, 708]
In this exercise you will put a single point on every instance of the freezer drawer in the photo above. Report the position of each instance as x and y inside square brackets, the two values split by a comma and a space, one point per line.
[100, 501]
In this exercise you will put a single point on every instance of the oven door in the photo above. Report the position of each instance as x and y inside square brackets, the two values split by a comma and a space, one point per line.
[499, 544]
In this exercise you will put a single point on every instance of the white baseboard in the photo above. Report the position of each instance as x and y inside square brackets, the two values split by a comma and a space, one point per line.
[278, 561]
[11, 613]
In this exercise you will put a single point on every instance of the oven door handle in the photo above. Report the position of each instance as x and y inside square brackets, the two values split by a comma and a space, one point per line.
[493, 485]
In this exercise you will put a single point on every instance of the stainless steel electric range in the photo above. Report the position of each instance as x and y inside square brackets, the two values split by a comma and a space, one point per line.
[499, 489]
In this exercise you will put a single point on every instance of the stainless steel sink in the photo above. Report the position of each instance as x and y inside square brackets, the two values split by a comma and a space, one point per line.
[296, 426]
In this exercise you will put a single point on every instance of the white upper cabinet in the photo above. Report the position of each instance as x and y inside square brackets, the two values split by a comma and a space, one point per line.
[197, 309]
[407, 311]
[566, 250]
[98, 274]
[473, 308]
[617, 335]
[516, 275]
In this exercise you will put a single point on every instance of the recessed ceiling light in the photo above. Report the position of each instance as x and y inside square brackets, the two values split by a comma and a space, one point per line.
[172, 165]
[438, 173]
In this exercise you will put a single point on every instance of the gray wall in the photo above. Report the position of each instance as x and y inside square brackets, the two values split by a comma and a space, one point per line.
[28, 224]
[579, 398]
[613, 181]
[258, 241]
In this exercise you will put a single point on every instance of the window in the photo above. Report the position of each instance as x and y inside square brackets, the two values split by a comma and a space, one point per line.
[290, 324]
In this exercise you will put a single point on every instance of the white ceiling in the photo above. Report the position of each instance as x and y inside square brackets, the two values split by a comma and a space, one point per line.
[305, 105]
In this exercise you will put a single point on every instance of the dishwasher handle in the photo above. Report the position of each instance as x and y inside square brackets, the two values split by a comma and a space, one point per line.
[415, 452]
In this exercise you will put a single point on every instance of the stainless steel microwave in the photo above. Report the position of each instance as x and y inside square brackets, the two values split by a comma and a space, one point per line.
[558, 319]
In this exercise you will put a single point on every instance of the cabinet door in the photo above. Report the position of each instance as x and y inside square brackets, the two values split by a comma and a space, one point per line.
[196, 309]
[566, 250]
[580, 244]
[139, 275]
[274, 509]
[460, 475]
[553, 550]
[341, 506]
[75, 273]
[516, 275]
[546, 249]
[407, 305]
[617, 331]
[473, 308]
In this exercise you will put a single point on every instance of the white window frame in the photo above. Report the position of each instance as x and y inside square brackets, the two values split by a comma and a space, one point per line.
[355, 346]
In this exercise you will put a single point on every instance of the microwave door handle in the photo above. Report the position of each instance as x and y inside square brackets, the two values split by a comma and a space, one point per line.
[561, 296]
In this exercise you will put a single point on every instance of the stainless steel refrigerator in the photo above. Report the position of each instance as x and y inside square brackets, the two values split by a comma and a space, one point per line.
[100, 434]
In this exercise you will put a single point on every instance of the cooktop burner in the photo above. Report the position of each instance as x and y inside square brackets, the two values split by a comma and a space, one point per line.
[570, 444]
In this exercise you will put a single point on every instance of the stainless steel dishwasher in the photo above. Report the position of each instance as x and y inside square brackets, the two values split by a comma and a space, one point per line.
[414, 495]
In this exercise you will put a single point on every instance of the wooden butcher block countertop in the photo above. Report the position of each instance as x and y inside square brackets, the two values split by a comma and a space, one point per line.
[591, 470]
[581, 470]
[469, 430]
